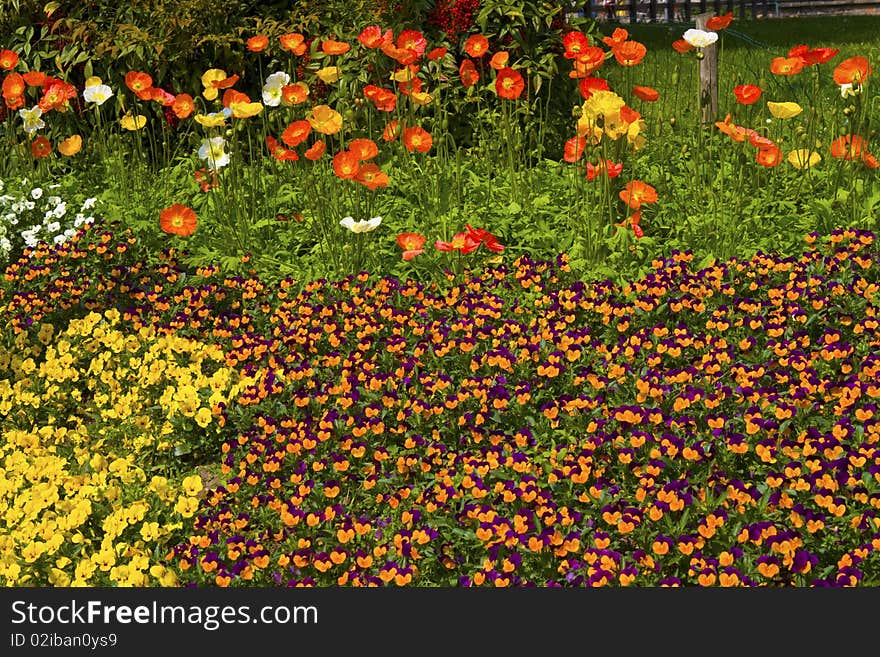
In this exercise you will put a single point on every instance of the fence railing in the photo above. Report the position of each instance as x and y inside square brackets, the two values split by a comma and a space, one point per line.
[684, 10]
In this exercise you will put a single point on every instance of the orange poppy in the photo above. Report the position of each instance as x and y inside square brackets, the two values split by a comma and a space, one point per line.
[240, 104]
[412, 244]
[316, 151]
[372, 36]
[371, 176]
[385, 100]
[628, 114]
[294, 94]
[363, 149]
[345, 165]
[735, 132]
[257, 43]
[201, 177]
[768, 156]
[588, 85]
[13, 85]
[293, 42]
[279, 152]
[14, 102]
[509, 83]
[811, 56]
[183, 106]
[719, 22]
[499, 60]
[70, 146]
[178, 219]
[34, 78]
[161, 96]
[41, 147]
[412, 40]
[403, 56]
[436, 53]
[8, 59]
[852, 70]
[636, 192]
[468, 73]
[747, 94]
[574, 148]
[629, 53]
[391, 131]
[617, 37]
[333, 47]
[418, 139]
[682, 46]
[476, 46]
[57, 93]
[848, 147]
[870, 161]
[609, 168]
[575, 43]
[587, 62]
[325, 119]
[139, 83]
[296, 133]
[786, 65]
[648, 94]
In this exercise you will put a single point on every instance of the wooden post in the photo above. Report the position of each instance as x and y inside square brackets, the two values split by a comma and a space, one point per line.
[708, 77]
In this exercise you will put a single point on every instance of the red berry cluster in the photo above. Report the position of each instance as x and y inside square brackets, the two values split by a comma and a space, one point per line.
[454, 17]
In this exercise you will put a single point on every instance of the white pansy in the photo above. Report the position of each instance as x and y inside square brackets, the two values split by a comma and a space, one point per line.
[97, 94]
[53, 227]
[700, 38]
[362, 225]
[31, 118]
[89, 203]
[37, 193]
[212, 151]
[60, 209]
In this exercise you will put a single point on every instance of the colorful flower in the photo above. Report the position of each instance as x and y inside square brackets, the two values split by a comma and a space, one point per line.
[509, 83]
[362, 225]
[700, 38]
[747, 94]
[178, 219]
[412, 244]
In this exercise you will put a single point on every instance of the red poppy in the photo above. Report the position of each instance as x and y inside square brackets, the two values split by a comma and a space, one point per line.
[8, 59]
[509, 83]
[852, 70]
[293, 42]
[609, 168]
[870, 161]
[588, 85]
[14, 102]
[385, 100]
[333, 47]
[316, 151]
[403, 56]
[139, 83]
[768, 156]
[468, 73]
[633, 220]
[345, 165]
[814, 55]
[758, 140]
[617, 37]
[462, 242]
[279, 152]
[436, 53]
[719, 22]
[786, 65]
[257, 43]
[476, 46]
[629, 115]
[418, 139]
[412, 40]
[636, 192]
[485, 237]
[34, 78]
[363, 149]
[56, 93]
[371, 176]
[629, 53]
[372, 36]
[747, 94]
[575, 43]
[682, 46]
[41, 147]
[296, 133]
[178, 219]
[648, 94]
[574, 148]
[412, 244]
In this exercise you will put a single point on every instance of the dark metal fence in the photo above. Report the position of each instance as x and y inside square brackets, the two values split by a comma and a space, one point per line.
[684, 10]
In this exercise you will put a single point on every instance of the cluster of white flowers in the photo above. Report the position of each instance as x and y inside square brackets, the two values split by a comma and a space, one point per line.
[35, 216]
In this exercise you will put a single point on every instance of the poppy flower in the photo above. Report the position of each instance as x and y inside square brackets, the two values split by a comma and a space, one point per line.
[574, 43]
[8, 59]
[363, 149]
[345, 165]
[371, 176]
[648, 94]
[784, 110]
[476, 46]
[629, 53]
[768, 156]
[293, 42]
[436, 53]
[617, 37]
[468, 73]
[499, 60]
[391, 131]
[681, 46]
[316, 151]
[333, 47]
[215, 79]
[811, 56]
[700, 38]
[588, 85]
[587, 62]
[803, 158]
[385, 100]
[574, 148]
[132, 123]
[294, 94]
[161, 96]
[636, 192]
[362, 225]
[212, 150]
[257, 43]
[786, 65]
[719, 22]
[633, 220]
[463, 242]
[201, 177]
[848, 147]
[509, 83]
[140, 83]
[735, 132]
[484, 237]
[412, 244]
[416, 138]
[412, 40]
[41, 147]
[70, 146]
[56, 93]
[325, 119]
[757, 140]
[296, 133]
[609, 168]
[372, 36]
[183, 106]
[403, 56]
[240, 104]
[747, 94]
[329, 74]
[178, 219]
[852, 70]
[278, 151]
[35, 78]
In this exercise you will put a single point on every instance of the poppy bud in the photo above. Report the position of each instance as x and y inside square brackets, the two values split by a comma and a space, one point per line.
[672, 121]
[700, 54]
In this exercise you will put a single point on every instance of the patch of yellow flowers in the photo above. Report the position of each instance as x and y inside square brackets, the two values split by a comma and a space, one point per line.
[80, 413]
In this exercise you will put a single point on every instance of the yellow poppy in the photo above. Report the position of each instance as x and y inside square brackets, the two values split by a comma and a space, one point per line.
[212, 120]
[325, 119]
[784, 110]
[93, 81]
[70, 146]
[421, 98]
[803, 158]
[130, 122]
[329, 74]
